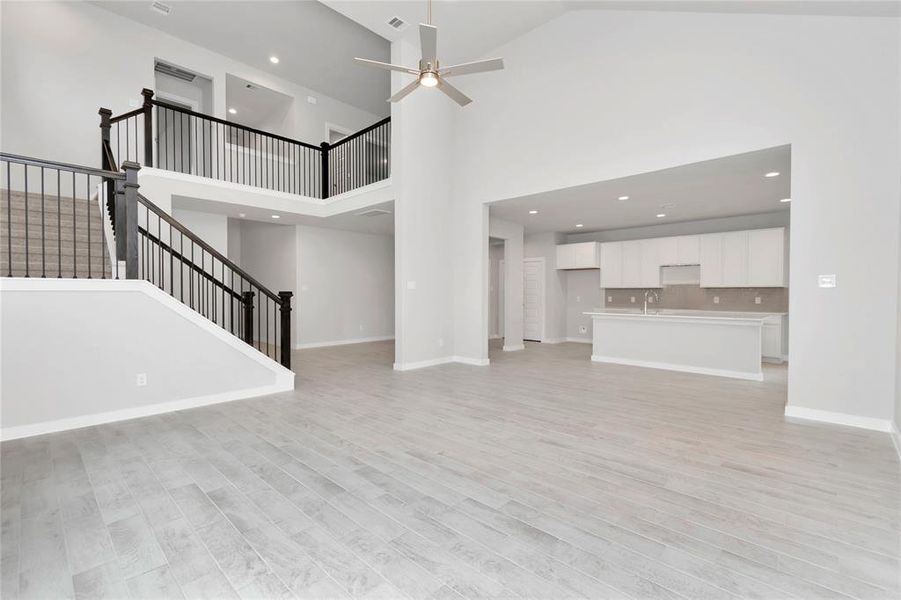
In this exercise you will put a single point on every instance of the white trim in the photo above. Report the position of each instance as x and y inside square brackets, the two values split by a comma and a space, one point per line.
[896, 438]
[675, 367]
[306, 345]
[837, 418]
[495, 336]
[421, 364]
[579, 340]
[543, 271]
[514, 347]
[22, 431]
[553, 341]
[434, 362]
[475, 362]
[176, 99]
[330, 127]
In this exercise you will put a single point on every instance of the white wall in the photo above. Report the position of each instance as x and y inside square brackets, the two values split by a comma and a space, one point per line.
[583, 292]
[71, 351]
[62, 61]
[345, 288]
[495, 255]
[666, 89]
[211, 228]
[544, 245]
[422, 163]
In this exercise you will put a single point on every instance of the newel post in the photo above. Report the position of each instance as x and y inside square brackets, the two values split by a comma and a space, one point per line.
[148, 126]
[127, 218]
[285, 313]
[325, 182]
[105, 125]
[247, 298]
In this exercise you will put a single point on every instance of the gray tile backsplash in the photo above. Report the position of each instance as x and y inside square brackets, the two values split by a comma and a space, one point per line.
[698, 298]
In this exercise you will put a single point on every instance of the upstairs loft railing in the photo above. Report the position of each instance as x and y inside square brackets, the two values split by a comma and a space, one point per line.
[175, 138]
[62, 220]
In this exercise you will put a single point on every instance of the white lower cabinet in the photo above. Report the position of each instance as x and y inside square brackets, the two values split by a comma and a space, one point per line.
[774, 339]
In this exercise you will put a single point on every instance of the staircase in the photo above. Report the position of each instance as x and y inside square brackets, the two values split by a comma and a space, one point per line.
[51, 236]
[68, 221]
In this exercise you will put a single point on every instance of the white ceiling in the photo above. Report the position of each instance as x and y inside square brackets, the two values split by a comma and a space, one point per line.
[723, 187]
[315, 45]
[350, 221]
[255, 106]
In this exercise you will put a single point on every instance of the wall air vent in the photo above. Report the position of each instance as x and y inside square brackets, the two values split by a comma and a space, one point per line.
[397, 23]
[374, 212]
[171, 71]
[163, 9]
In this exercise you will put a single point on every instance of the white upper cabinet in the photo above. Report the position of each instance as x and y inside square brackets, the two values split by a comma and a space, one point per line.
[612, 265]
[650, 264]
[711, 256]
[766, 258]
[584, 255]
[631, 264]
[753, 258]
[679, 250]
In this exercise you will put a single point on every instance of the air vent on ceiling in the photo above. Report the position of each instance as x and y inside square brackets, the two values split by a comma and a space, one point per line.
[397, 23]
[374, 212]
[163, 9]
[172, 71]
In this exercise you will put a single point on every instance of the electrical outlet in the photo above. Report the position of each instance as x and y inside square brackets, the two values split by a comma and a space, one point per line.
[578, 299]
[361, 328]
[311, 99]
[441, 342]
[411, 285]
[583, 329]
[716, 299]
[632, 299]
[141, 379]
[756, 299]
[609, 298]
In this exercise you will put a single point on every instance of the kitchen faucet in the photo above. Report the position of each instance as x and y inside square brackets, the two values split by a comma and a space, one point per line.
[648, 294]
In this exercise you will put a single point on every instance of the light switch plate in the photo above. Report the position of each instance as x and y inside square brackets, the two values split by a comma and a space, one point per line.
[756, 299]
[411, 285]
[141, 379]
[826, 281]
[609, 298]
[583, 329]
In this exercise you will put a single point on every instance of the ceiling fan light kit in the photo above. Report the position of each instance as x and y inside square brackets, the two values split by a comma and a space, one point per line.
[430, 74]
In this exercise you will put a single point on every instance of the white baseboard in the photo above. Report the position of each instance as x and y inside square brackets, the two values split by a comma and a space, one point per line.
[514, 347]
[476, 362]
[896, 439]
[434, 362]
[495, 336]
[674, 367]
[579, 340]
[364, 340]
[553, 341]
[23, 431]
[837, 418]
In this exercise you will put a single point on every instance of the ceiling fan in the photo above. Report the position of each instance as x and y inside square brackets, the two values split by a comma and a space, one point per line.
[430, 73]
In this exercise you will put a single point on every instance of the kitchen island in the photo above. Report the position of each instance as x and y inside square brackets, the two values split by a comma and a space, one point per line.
[712, 343]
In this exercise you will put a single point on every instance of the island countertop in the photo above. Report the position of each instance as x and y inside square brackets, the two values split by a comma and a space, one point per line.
[751, 318]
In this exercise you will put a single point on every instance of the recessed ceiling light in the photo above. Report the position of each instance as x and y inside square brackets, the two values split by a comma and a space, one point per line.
[242, 215]
[661, 215]
[623, 198]
[786, 200]
[273, 59]
[579, 225]
[772, 174]
[533, 212]
[232, 111]
[276, 216]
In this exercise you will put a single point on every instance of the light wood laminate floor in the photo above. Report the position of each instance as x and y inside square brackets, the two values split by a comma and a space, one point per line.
[541, 476]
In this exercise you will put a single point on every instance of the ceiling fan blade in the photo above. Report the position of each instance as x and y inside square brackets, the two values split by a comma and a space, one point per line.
[479, 66]
[404, 92]
[455, 94]
[386, 66]
[428, 38]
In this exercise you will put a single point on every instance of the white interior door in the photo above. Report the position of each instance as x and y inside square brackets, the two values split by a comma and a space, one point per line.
[533, 299]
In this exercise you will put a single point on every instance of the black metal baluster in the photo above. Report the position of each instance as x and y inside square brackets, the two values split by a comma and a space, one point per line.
[43, 234]
[9, 222]
[88, 200]
[59, 223]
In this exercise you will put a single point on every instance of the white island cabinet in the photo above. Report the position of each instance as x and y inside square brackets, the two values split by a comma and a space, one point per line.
[722, 344]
